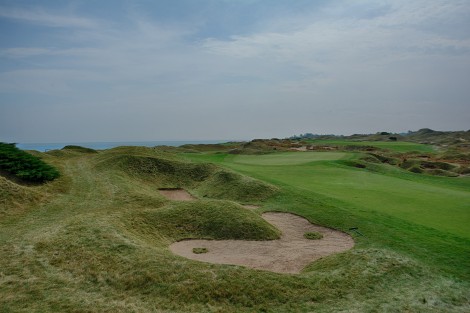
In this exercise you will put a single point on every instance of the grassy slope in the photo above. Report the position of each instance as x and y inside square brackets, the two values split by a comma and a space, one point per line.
[427, 217]
[94, 245]
[434, 205]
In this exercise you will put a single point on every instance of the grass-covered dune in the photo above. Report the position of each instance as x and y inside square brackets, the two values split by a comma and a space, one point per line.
[204, 219]
[204, 179]
[97, 238]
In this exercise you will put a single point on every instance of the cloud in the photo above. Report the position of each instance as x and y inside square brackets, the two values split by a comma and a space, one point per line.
[23, 52]
[41, 17]
[340, 68]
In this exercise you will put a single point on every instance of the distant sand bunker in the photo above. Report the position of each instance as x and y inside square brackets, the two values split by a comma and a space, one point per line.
[290, 254]
[176, 194]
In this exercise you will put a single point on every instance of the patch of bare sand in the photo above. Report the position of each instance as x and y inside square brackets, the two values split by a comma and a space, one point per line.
[290, 254]
[303, 148]
[176, 194]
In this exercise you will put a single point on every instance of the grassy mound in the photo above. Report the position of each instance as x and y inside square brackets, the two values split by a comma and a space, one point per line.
[205, 219]
[207, 180]
[14, 197]
[232, 186]
[164, 172]
[430, 168]
[79, 149]
[24, 165]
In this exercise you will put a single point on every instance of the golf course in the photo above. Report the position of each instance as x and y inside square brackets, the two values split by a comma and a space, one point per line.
[104, 236]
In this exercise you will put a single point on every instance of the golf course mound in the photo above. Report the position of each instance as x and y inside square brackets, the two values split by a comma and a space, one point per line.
[289, 254]
[232, 186]
[204, 219]
[79, 149]
[161, 170]
[14, 196]
[205, 180]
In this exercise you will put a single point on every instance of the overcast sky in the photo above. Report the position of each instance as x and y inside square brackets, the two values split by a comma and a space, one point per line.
[76, 71]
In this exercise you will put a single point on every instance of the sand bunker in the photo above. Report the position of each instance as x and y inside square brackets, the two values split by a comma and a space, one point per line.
[290, 254]
[176, 194]
[303, 148]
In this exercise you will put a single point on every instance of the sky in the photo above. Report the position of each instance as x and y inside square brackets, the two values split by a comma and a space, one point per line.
[122, 70]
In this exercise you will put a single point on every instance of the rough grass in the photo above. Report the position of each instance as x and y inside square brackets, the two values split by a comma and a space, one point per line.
[165, 172]
[205, 219]
[101, 245]
[14, 198]
[79, 149]
[399, 146]
[313, 235]
[233, 186]
[200, 250]
[206, 180]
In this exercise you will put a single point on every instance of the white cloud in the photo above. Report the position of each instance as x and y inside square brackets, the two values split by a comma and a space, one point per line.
[38, 16]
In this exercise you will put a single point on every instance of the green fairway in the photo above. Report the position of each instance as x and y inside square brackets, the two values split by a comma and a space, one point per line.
[399, 146]
[436, 204]
[288, 158]
[441, 206]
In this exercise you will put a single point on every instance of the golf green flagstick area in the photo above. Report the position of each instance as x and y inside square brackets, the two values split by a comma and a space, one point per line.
[97, 238]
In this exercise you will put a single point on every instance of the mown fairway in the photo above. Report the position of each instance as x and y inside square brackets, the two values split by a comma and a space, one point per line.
[434, 203]
[426, 208]
[96, 239]
[288, 158]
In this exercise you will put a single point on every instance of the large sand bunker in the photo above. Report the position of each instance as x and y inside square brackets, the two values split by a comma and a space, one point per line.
[176, 194]
[290, 254]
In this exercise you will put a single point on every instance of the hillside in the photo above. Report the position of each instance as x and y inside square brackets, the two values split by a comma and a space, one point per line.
[97, 238]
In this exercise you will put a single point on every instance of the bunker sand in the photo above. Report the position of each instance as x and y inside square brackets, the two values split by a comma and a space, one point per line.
[176, 194]
[289, 254]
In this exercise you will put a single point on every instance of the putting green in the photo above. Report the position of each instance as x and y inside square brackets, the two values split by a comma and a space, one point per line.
[289, 158]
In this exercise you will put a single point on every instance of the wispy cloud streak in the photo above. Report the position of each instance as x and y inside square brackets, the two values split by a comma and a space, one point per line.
[41, 17]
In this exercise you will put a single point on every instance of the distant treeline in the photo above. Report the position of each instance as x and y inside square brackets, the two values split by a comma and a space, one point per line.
[25, 166]
[313, 136]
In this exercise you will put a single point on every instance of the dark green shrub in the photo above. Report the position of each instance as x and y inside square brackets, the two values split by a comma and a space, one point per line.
[437, 165]
[439, 172]
[463, 170]
[24, 165]
[415, 169]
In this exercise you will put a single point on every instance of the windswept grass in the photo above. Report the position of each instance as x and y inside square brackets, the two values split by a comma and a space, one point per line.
[233, 186]
[79, 149]
[204, 219]
[399, 146]
[101, 244]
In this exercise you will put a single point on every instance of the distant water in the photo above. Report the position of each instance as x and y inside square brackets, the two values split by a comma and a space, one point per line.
[107, 145]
